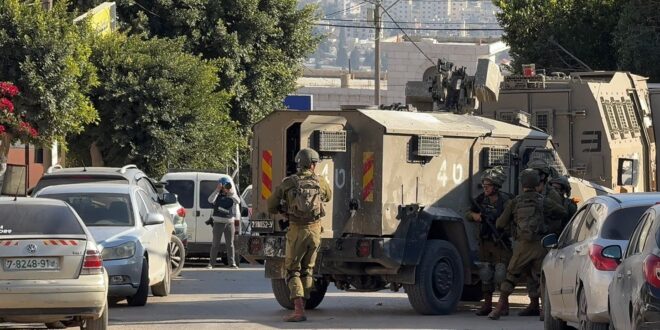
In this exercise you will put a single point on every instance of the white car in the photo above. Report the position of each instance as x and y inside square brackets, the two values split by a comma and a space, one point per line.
[131, 235]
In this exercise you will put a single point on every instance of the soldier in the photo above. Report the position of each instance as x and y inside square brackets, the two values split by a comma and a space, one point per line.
[527, 214]
[563, 187]
[494, 253]
[546, 173]
[300, 197]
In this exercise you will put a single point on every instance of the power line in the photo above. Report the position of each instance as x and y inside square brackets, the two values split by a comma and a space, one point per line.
[408, 22]
[407, 36]
[346, 9]
[409, 28]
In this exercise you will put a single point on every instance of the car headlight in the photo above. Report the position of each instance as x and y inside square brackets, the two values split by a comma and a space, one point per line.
[123, 251]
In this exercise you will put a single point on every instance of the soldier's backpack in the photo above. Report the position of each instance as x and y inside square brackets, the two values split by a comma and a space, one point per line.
[530, 222]
[304, 199]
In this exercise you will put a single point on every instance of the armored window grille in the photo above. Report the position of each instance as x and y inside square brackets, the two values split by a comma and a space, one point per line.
[507, 117]
[621, 116]
[496, 156]
[541, 121]
[427, 146]
[549, 156]
[632, 118]
[611, 120]
[331, 141]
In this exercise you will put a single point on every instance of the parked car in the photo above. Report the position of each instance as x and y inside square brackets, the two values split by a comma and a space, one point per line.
[167, 203]
[634, 294]
[52, 269]
[193, 190]
[131, 235]
[576, 274]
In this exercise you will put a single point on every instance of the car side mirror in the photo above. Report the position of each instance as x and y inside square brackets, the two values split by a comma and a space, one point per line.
[613, 252]
[627, 172]
[244, 211]
[154, 219]
[550, 241]
[169, 198]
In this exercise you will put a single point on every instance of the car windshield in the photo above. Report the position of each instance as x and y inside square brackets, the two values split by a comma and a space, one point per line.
[99, 209]
[36, 219]
[57, 180]
[621, 223]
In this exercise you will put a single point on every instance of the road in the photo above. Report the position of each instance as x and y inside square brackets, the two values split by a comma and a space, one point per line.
[223, 298]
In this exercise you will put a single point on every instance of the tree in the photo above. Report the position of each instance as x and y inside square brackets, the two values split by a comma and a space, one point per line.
[47, 57]
[355, 59]
[636, 38]
[582, 27]
[342, 53]
[158, 108]
[259, 45]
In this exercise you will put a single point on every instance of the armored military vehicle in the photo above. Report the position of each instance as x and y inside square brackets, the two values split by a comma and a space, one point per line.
[401, 183]
[601, 122]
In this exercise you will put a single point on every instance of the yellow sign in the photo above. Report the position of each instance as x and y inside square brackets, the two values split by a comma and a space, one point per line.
[103, 17]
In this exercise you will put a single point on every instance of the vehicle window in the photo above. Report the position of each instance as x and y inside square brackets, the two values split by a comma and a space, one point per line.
[185, 191]
[57, 180]
[620, 224]
[146, 185]
[247, 196]
[148, 202]
[99, 209]
[142, 207]
[569, 236]
[36, 219]
[635, 236]
[644, 235]
[206, 188]
[589, 226]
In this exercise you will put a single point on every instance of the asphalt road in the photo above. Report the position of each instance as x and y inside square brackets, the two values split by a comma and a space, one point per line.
[223, 298]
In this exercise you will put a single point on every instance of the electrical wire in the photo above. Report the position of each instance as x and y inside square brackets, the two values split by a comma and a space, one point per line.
[408, 22]
[409, 28]
[346, 9]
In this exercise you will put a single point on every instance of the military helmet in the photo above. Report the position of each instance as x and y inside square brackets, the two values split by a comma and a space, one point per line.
[540, 165]
[305, 157]
[563, 182]
[495, 175]
[530, 178]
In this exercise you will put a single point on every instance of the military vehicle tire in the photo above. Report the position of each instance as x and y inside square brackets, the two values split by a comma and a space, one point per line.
[472, 292]
[438, 280]
[281, 291]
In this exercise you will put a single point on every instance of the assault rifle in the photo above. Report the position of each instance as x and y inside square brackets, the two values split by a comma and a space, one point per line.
[487, 218]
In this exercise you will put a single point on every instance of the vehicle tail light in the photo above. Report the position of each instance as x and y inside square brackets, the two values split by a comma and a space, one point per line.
[599, 261]
[652, 270]
[255, 246]
[181, 212]
[92, 264]
[363, 248]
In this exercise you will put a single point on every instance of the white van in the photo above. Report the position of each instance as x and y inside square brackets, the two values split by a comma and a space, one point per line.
[193, 190]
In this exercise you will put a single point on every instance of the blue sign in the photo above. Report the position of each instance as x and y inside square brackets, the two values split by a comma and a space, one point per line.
[299, 102]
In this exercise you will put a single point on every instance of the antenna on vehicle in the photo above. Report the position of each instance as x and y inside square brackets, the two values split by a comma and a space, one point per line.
[83, 163]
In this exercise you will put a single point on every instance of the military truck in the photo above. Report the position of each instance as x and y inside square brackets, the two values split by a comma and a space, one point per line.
[601, 121]
[402, 181]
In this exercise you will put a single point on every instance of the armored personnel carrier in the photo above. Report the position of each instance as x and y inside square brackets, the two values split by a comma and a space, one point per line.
[401, 183]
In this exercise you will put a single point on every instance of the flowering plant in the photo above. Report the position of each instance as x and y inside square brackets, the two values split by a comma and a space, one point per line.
[13, 124]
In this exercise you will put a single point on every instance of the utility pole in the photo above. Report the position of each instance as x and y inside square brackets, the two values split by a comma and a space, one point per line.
[377, 22]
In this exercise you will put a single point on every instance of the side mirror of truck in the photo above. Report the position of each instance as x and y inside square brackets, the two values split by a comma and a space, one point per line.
[627, 172]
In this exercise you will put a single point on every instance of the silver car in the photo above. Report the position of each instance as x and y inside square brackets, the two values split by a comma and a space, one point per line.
[576, 274]
[130, 232]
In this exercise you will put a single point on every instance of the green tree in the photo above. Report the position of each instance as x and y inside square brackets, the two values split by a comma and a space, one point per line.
[636, 38]
[342, 53]
[159, 108]
[355, 59]
[259, 45]
[583, 27]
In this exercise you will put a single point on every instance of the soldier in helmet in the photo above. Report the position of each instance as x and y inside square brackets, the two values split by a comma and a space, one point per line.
[494, 254]
[303, 195]
[563, 187]
[526, 214]
[546, 173]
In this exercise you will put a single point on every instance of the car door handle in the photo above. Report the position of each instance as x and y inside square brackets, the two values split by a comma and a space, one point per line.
[561, 257]
[628, 273]
[578, 249]
[619, 275]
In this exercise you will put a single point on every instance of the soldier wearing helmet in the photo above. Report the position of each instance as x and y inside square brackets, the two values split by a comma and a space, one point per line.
[563, 187]
[547, 173]
[494, 254]
[303, 195]
[527, 213]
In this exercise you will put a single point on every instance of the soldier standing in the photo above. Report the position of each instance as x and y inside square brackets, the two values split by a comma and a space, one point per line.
[494, 254]
[546, 173]
[303, 195]
[563, 187]
[527, 213]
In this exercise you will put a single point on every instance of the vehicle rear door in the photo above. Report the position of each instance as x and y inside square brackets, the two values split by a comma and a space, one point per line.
[40, 242]
[184, 187]
[149, 235]
[633, 272]
[207, 182]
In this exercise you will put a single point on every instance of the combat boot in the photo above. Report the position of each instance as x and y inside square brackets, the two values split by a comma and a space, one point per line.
[533, 309]
[505, 310]
[487, 306]
[501, 305]
[298, 314]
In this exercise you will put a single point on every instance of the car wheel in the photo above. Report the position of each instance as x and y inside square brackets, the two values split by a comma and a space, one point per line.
[584, 323]
[140, 297]
[438, 280]
[162, 289]
[98, 324]
[549, 322]
[177, 255]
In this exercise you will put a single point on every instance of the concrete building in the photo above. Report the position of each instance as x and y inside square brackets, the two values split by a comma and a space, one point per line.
[331, 89]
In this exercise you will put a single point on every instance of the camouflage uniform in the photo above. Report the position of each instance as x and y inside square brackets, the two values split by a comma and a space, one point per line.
[303, 237]
[527, 254]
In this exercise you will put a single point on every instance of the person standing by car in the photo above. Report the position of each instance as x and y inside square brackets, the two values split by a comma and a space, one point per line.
[300, 197]
[494, 251]
[226, 209]
[563, 187]
[527, 213]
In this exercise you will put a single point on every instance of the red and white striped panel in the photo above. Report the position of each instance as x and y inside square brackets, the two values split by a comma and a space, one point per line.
[8, 243]
[60, 242]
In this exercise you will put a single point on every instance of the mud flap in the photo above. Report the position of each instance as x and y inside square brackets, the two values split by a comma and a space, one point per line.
[274, 268]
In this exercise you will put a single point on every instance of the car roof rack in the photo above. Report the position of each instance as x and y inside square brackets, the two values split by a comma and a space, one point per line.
[126, 168]
[53, 168]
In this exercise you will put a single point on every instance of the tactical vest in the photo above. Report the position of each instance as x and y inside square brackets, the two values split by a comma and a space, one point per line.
[304, 199]
[528, 216]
